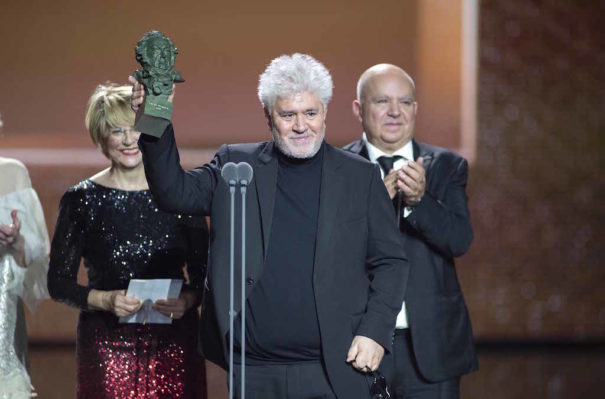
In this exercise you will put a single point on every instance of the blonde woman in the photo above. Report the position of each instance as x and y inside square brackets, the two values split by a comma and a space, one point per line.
[111, 221]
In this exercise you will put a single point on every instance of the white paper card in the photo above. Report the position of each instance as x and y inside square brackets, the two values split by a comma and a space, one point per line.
[150, 291]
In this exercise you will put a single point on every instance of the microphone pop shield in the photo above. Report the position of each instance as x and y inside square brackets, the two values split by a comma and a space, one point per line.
[229, 173]
[244, 173]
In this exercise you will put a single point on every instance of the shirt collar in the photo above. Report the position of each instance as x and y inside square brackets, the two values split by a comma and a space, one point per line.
[407, 151]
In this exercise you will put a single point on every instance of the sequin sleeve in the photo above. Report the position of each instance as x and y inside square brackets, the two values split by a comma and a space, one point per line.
[66, 252]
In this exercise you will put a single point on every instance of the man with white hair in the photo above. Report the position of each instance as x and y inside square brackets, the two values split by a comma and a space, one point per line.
[323, 264]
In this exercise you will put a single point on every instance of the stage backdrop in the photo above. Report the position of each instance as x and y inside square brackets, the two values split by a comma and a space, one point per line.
[536, 187]
[56, 53]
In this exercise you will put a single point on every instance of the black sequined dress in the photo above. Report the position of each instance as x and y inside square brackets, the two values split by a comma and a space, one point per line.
[122, 235]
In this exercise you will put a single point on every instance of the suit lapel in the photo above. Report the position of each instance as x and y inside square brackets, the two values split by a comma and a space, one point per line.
[362, 150]
[331, 193]
[421, 151]
[359, 148]
[266, 183]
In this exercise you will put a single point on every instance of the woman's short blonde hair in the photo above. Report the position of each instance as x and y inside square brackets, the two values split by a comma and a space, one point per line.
[108, 108]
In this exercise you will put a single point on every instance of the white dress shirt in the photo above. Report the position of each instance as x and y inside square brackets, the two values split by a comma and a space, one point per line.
[407, 153]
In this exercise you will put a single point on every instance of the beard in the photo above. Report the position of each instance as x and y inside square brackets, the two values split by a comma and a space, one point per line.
[291, 150]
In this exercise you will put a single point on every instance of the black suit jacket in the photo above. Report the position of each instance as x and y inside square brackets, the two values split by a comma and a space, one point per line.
[438, 230]
[359, 267]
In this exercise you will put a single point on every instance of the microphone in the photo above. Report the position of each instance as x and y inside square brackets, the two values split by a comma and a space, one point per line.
[244, 173]
[229, 173]
[235, 174]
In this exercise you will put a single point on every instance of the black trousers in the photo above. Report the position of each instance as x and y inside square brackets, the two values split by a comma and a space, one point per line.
[406, 380]
[291, 381]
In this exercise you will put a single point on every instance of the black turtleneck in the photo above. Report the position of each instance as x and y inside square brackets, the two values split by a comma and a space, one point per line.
[281, 319]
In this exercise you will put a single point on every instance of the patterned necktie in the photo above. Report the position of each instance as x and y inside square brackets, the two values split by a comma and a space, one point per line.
[386, 163]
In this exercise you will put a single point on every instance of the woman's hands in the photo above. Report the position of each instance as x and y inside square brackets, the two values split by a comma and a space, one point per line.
[11, 238]
[175, 308]
[114, 301]
[118, 303]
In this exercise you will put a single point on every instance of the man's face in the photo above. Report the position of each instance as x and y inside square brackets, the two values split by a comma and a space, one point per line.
[298, 124]
[387, 110]
[158, 51]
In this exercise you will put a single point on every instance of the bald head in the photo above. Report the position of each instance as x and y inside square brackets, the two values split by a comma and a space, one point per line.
[386, 106]
[381, 70]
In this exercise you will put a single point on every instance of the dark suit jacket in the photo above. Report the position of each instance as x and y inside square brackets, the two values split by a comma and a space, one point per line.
[438, 230]
[359, 268]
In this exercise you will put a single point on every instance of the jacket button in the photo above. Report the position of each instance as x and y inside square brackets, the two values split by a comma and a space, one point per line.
[250, 280]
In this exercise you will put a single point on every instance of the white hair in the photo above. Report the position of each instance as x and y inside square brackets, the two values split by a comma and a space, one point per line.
[288, 75]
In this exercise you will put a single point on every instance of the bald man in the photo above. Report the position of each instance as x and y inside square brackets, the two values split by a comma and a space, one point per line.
[433, 343]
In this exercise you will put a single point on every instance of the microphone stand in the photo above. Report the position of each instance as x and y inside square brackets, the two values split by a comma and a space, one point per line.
[244, 174]
[243, 287]
[235, 174]
[229, 173]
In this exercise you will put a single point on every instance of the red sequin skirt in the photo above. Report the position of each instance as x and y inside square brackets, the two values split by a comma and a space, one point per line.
[135, 361]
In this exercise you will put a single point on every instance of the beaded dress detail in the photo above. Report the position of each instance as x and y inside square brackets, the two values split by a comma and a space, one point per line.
[121, 235]
[14, 380]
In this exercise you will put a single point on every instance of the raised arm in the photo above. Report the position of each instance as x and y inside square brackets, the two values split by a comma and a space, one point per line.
[175, 190]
